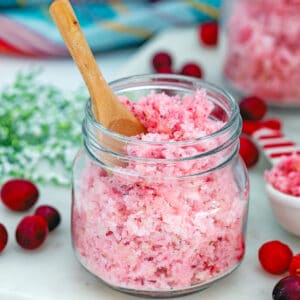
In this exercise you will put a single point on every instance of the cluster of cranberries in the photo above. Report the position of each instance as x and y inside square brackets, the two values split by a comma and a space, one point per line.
[277, 258]
[253, 110]
[162, 61]
[20, 195]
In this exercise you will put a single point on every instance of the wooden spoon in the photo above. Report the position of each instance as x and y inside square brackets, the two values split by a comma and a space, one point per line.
[108, 110]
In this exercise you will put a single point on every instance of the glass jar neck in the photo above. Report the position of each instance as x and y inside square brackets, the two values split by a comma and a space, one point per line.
[110, 149]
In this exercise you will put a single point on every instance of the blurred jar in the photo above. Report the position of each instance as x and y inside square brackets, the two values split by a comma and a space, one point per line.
[160, 226]
[263, 48]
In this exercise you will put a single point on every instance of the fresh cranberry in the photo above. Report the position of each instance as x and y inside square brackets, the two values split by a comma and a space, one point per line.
[165, 70]
[288, 288]
[161, 59]
[208, 33]
[248, 151]
[294, 267]
[50, 215]
[275, 257]
[19, 194]
[252, 108]
[272, 124]
[3, 237]
[31, 232]
[249, 127]
[192, 69]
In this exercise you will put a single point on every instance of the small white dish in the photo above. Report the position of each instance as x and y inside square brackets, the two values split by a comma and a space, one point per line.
[286, 209]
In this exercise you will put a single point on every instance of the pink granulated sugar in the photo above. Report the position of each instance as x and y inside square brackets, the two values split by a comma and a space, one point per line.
[174, 118]
[285, 176]
[155, 231]
[263, 55]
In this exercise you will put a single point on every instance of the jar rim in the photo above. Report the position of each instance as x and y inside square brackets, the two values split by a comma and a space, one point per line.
[194, 82]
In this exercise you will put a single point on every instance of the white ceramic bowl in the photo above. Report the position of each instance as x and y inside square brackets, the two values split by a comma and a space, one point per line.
[286, 209]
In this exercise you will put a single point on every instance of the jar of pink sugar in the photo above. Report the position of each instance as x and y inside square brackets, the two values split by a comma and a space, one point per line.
[263, 49]
[163, 213]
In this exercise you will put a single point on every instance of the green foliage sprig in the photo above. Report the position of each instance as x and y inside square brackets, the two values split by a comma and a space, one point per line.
[40, 130]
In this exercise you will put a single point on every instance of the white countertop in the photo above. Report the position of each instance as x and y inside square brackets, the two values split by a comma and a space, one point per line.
[52, 272]
[62, 71]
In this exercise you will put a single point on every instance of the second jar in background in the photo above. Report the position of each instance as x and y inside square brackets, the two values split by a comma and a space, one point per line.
[263, 48]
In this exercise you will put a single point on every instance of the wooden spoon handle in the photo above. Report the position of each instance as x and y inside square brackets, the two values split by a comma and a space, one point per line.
[68, 25]
[108, 110]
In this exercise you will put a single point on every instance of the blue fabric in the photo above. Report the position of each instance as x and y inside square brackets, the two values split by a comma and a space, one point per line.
[106, 24]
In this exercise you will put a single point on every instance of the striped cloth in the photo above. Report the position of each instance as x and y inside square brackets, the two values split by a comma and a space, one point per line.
[26, 27]
[275, 145]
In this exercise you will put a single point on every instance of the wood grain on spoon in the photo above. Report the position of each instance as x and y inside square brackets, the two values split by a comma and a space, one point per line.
[108, 110]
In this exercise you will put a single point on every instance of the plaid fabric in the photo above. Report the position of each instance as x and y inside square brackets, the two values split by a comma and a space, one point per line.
[27, 28]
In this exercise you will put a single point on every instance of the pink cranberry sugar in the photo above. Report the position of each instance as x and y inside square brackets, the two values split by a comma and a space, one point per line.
[162, 230]
[285, 176]
[263, 55]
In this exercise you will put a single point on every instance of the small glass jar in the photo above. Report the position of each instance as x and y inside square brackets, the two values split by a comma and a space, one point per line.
[159, 226]
[263, 49]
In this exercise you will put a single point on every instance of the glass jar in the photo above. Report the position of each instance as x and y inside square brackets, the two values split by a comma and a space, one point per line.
[157, 226]
[263, 49]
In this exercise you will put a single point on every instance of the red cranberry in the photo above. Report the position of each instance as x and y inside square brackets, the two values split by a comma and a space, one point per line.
[248, 151]
[19, 194]
[249, 127]
[50, 215]
[192, 69]
[275, 257]
[165, 70]
[272, 124]
[161, 59]
[294, 267]
[31, 232]
[287, 288]
[208, 33]
[252, 108]
[3, 237]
